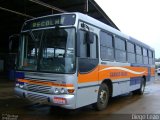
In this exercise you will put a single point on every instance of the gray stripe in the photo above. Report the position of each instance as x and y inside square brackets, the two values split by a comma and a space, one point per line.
[88, 86]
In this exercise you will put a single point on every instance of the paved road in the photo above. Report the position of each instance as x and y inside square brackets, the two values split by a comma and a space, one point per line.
[122, 107]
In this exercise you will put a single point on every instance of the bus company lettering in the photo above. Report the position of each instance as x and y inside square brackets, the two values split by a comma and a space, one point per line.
[118, 74]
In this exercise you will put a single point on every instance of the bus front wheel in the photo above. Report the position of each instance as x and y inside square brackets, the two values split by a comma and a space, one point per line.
[103, 97]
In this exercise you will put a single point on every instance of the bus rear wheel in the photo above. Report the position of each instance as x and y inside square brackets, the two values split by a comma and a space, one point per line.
[140, 91]
[103, 97]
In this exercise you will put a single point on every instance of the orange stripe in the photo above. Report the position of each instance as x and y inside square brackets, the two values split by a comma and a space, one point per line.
[152, 71]
[88, 77]
[113, 74]
[44, 83]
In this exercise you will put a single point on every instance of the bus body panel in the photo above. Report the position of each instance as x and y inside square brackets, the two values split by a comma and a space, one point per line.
[65, 101]
[39, 87]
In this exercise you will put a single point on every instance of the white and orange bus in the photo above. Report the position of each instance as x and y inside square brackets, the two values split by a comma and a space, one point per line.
[73, 60]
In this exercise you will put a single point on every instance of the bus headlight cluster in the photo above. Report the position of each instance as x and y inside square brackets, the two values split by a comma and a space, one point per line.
[63, 91]
[60, 91]
[17, 84]
[20, 85]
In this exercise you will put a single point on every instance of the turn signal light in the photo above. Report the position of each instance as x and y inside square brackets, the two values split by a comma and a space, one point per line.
[70, 90]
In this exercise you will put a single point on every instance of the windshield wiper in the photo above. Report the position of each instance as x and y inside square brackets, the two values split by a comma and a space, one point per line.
[32, 36]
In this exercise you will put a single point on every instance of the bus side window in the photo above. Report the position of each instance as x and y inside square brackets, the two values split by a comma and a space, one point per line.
[139, 54]
[153, 58]
[131, 52]
[150, 57]
[88, 50]
[120, 49]
[88, 58]
[106, 46]
[145, 56]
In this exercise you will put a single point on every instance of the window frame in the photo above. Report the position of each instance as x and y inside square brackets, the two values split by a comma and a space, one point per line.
[131, 52]
[121, 50]
[97, 50]
[107, 47]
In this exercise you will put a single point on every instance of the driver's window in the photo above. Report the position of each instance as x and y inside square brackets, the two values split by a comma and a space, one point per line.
[88, 50]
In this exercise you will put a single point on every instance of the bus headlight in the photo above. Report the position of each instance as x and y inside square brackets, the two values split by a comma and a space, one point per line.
[62, 91]
[17, 84]
[21, 86]
[56, 90]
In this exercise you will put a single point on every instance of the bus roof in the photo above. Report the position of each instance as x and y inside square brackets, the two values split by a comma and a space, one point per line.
[99, 24]
[103, 26]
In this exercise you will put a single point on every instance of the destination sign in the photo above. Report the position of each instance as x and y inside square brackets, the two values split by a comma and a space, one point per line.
[50, 21]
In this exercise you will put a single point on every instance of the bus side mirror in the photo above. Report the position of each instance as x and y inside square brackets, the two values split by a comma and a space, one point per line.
[89, 37]
[14, 43]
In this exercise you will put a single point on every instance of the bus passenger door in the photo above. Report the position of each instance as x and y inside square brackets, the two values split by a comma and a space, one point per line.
[87, 68]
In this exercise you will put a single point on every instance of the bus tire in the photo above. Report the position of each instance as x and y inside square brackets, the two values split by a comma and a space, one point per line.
[103, 97]
[140, 91]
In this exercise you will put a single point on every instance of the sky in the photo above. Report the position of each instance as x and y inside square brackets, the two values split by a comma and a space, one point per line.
[137, 18]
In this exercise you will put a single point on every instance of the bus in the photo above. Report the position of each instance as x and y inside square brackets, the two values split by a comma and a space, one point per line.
[72, 60]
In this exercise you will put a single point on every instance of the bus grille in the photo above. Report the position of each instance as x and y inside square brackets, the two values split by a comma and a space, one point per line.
[37, 98]
[39, 88]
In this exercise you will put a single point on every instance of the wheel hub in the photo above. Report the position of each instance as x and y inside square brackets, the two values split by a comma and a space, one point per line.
[103, 96]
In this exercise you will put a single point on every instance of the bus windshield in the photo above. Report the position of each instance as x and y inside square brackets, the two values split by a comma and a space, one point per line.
[48, 50]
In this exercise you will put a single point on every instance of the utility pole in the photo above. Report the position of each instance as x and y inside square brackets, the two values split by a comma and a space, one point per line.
[86, 7]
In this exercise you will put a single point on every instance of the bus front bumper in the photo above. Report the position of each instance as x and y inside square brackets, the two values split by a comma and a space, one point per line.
[65, 101]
